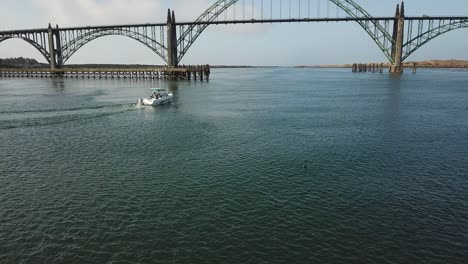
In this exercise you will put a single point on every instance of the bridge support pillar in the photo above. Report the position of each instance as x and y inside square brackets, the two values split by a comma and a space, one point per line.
[398, 34]
[55, 48]
[51, 47]
[58, 48]
[172, 59]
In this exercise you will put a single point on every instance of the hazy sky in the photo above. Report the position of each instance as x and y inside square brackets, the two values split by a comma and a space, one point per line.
[272, 44]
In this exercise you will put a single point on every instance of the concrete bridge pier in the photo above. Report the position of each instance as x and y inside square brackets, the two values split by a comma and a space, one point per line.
[398, 34]
[172, 60]
[51, 47]
[58, 48]
[55, 47]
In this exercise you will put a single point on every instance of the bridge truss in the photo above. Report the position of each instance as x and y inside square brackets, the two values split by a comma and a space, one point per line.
[152, 36]
[421, 30]
[38, 38]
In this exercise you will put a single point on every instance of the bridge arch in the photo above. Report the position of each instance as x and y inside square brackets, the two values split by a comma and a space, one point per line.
[420, 40]
[374, 29]
[73, 45]
[36, 45]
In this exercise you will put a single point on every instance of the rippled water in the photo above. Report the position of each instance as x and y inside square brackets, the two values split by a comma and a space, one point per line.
[256, 166]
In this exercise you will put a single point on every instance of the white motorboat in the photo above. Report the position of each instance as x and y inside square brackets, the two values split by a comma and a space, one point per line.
[158, 97]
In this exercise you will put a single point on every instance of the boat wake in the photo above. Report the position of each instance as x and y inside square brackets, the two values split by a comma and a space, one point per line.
[47, 117]
[59, 109]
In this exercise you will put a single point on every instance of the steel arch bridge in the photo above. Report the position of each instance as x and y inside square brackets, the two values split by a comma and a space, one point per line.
[396, 36]
[37, 38]
[75, 39]
[373, 27]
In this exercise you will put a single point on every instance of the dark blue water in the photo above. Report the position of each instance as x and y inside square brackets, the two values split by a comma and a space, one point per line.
[256, 166]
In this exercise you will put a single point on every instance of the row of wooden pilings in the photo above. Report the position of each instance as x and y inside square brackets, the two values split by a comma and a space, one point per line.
[202, 72]
[199, 72]
[368, 67]
[374, 67]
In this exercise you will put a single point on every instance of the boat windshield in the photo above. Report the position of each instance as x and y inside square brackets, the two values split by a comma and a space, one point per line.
[158, 90]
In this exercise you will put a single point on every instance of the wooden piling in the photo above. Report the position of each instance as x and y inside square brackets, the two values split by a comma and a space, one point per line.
[367, 67]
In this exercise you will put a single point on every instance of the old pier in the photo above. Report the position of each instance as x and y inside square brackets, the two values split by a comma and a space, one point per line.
[368, 67]
[199, 72]
[379, 67]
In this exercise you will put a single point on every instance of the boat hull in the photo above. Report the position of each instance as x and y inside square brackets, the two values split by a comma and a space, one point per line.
[154, 101]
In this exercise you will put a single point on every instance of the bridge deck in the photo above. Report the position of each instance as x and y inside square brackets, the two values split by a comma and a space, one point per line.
[250, 21]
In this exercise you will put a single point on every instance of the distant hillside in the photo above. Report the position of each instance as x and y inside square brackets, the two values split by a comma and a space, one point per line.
[32, 63]
[439, 64]
[21, 63]
[409, 64]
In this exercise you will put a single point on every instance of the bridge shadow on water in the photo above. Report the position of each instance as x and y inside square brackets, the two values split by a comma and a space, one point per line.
[392, 107]
[57, 85]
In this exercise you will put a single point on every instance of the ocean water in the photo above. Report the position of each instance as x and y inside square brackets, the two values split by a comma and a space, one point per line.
[272, 165]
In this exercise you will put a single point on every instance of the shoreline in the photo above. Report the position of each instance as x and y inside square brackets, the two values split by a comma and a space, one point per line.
[429, 64]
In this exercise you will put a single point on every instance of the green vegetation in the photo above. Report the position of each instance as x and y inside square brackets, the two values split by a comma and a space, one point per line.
[21, 63]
